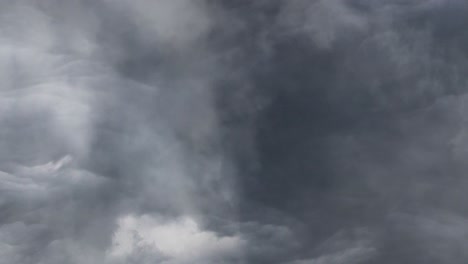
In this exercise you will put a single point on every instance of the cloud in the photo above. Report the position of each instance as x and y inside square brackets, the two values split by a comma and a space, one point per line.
[85, 141]
[177, 241]
[324, 22]
[232, 131]
[40, 204]
[155, 21]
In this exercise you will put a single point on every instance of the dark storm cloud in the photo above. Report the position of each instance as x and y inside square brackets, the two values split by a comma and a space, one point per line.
[363, 122]
[177, 131]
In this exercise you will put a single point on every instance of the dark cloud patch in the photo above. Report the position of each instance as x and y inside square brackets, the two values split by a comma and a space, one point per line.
[359, 122]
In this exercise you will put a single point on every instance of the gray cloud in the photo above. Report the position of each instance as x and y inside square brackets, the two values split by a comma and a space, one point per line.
[232, 131]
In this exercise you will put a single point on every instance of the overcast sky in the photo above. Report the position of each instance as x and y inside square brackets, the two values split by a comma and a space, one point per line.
[233, 131]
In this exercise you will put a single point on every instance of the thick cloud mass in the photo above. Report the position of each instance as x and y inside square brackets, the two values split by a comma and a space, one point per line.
[233, 131]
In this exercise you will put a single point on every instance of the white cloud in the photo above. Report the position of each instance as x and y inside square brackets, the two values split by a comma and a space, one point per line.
[179, 241]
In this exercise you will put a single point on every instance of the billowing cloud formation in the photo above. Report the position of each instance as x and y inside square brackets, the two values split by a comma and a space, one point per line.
[179, 241]
[87, 140]
[179, 131]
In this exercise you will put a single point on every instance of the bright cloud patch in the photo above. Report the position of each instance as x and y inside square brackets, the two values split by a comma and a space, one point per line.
[180, 241]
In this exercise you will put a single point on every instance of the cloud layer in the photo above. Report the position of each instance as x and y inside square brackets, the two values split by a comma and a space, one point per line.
[178, 131]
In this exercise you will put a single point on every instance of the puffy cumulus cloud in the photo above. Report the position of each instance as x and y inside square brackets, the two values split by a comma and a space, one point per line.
[175, 241]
